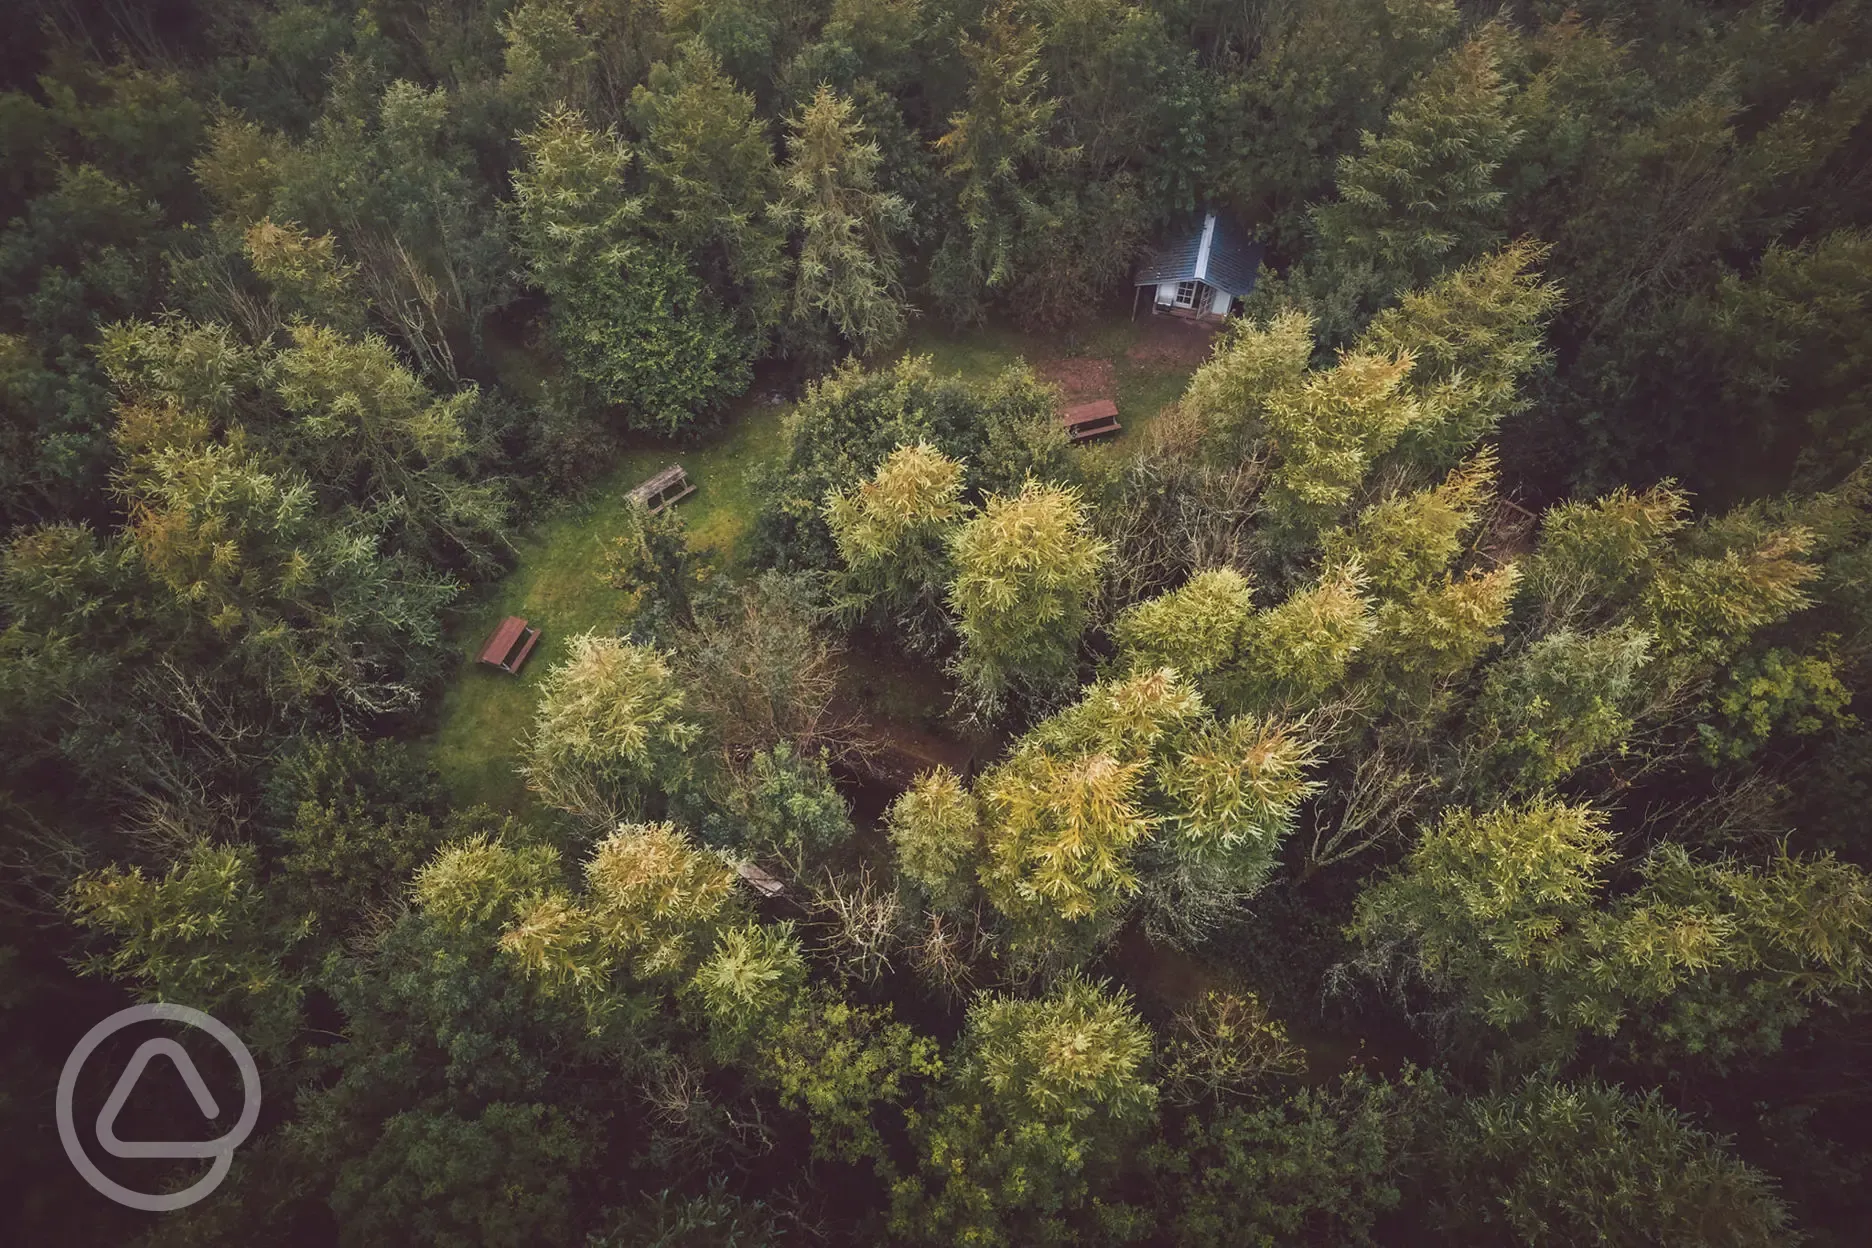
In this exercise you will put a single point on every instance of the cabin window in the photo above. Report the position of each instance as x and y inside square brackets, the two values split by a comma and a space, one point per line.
[1186, 294]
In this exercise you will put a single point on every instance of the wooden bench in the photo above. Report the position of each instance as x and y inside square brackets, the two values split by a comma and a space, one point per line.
[668, 486]
[510, 643]
[1086, 421]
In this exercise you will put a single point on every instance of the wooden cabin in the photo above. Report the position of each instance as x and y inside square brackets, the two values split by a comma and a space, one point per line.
[666, 487]
[509, 644]
[1085, 421]
[1198, 271]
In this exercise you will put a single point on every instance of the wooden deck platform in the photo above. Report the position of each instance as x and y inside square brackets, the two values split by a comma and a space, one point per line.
[1085, 421]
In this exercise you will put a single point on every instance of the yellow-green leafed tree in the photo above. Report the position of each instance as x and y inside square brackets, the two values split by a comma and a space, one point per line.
[1327, 430]
[892, 533]
[1431, 624]
[935, 831]
[1197, 629]
[1295, 653]
[612, 736]
[1508, 912]
[1250, 362]
[1038, 1108]
[1406, 541]
[1472, 336]
[652, 900]
[1061, 834]
[1136, 789]
[1026, 568]
[1229, 792]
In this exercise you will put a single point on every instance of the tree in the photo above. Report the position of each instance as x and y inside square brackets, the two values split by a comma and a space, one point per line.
[388, 167]
[241, 559]
[847, 279]
[369, 431]
[1431, 625]
[1230, 795]
[355, 818]
[785, 810]
[1198, 629]
[989, 152]
[633, 320]
[892, 534]
[1789, 338]
[1409, 540]
[935, 833]
[1225, 1047]
[1330, 427]
[1062, 835]
[653, 906]
[844, 428]
[1594, 557]
[1781, 692]
[1316, 78]
[661, 577]
[1026, 569]
[96, 191]
[1546, 711]
[1556, 1163]
[1505, 909]
[1039, 1102]
[762, 673]
[1294, 653]
[203, 934]
[1251, 361]
[1474, 338]
[1136, 789]
[500, 1177]
[1323, 1161]
[612, 737]
[711, 191]
[1424, 195]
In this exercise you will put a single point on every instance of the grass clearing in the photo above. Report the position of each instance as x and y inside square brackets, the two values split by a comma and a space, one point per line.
[1144, 382]
[556, 584]
[556, 579]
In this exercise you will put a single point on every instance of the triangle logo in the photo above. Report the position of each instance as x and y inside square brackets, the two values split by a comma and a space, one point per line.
[184, 1065]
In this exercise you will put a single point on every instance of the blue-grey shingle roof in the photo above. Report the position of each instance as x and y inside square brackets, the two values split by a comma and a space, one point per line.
[1210, 249]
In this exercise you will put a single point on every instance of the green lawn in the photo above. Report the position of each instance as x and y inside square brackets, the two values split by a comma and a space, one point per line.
[1142, 388]
[556, 583]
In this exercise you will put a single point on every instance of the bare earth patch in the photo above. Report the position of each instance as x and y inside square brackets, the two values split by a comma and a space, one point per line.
[1170, 341]
[1079, 377]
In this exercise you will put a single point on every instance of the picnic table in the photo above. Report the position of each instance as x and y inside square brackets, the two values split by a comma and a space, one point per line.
[760, 881]
[1085, 421]
[509, 644]
[668, 486]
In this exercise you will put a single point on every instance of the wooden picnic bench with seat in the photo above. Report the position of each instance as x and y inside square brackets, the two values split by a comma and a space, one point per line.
[509, 644]
[666, 487]
[1085, 421]
[760, 881]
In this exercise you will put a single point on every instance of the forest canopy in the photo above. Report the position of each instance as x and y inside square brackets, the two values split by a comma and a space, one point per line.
[1409, 786]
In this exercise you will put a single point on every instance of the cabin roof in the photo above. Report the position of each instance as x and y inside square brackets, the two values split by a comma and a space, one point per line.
[1211, 249]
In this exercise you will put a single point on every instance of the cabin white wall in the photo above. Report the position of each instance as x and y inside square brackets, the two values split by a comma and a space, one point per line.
[1220, 304]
